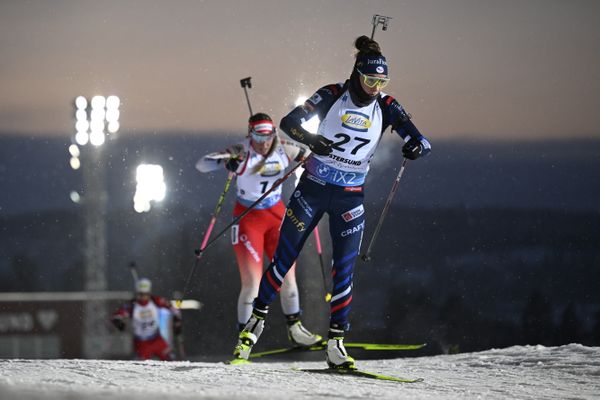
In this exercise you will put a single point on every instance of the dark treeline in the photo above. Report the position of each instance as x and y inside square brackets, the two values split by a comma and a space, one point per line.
[459, 279]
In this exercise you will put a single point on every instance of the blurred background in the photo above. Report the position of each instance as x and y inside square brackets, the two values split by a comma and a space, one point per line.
[491, 241]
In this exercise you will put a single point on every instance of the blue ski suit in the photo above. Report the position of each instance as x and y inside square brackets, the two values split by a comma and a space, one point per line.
[333, 184]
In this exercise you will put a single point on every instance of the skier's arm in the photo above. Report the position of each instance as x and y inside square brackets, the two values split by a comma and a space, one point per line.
[295, 151]
[318, 104]
[118, 318]
[416, 145]
[164, 303]
[230, 159]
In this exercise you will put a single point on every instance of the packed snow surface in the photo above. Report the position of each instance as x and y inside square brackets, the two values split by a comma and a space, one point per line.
[520, 372]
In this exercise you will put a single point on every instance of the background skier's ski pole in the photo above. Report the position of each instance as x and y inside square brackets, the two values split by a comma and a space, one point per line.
[247, 84]
[134, 273]
[215, 214]
[367, 255]
[320, 252]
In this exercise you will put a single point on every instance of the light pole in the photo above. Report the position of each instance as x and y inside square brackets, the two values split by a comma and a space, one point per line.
[92, 119]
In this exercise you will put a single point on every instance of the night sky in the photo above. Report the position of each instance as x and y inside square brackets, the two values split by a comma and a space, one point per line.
[463, 68]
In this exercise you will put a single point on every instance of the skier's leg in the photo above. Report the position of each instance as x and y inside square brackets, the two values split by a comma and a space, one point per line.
[301, 216]
[346, 224]
[247, 240]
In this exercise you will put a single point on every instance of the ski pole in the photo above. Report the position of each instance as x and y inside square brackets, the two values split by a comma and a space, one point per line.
[215, 214]
[200, 252]
[251, 206]
[379, 20]
[247, 84]
[388, 202]
[134, 273]
[211, 225]
[320, 252]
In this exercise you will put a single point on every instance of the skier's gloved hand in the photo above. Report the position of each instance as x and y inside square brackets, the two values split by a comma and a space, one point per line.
[233, 164]
[118, 323]
[416, 148]
[320, 145]
[177, 327]
[237, 157]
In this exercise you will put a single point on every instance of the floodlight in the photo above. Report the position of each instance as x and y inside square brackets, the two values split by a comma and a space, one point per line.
[113, 126]
[113, 102]
[82, 138]
[97, 138]
[75, 163]
[81, 103]
[97, 114]
[112, 114]
[80, 115]
[74, 150]
[82, 125]
[98, 102]
[150, 186]
[75, 197]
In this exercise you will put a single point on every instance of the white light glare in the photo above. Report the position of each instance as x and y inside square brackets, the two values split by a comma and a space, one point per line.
[82, 125]
[81, 103]
[75, 197]
[98, 102]
[82, 138]
[113, 103]
[74, 150]
[98, 114]
[81, 115]
[75, 163]
[150, 186]
[97, 138]
[312, 125]
[112, 114]
[300, 100]
[113, 126]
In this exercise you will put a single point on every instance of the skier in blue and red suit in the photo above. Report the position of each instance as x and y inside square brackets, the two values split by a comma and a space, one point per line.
[353, 117]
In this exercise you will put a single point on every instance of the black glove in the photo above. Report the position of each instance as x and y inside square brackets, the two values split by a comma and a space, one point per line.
[413, 149]
[321, 146]
[119, 324]
[233, 164]
[177, 328]
[237, 156]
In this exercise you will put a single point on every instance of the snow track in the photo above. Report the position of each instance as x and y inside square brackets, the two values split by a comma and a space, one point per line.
[520, 372]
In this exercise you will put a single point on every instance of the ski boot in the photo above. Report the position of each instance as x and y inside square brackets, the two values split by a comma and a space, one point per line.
[337, 357]
[249, 335]
[298, 334]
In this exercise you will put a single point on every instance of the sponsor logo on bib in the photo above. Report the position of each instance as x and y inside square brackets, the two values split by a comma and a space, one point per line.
[356, 121]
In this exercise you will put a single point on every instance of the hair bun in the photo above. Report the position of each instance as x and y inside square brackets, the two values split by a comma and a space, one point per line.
[366, 45]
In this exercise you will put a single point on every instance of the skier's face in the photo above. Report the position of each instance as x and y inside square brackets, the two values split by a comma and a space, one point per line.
[372, 84]
[263, 146]
[143, 298]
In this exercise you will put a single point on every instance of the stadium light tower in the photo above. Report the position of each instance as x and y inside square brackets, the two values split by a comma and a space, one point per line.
[91, 119]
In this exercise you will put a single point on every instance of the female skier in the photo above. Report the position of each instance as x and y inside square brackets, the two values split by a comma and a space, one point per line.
[258, 162]
[353, 117]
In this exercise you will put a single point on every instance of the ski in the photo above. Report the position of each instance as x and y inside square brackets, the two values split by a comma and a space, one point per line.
[359, 373]
[238, 361]
[323, 344]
